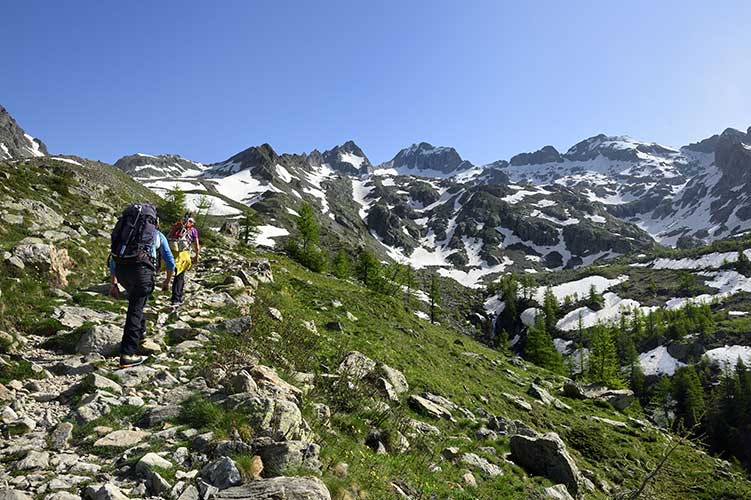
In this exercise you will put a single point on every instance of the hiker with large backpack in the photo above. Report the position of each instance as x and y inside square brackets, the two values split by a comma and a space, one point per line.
[136, 239]
[182, 237]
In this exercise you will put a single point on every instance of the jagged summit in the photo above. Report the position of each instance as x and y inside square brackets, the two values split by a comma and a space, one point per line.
[347, 158]
[426, 159]
[15, 142]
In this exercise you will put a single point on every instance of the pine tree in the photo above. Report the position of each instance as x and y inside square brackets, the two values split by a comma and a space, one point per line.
[662, 400]
[509, 317]
[743, 264]
[248, 225]
[580, 345]
[341, 265]
[603, 360]
[527, 285]
[550, 309]
[305, 248]
[637, 382]
[172, 207]
[689, 397]
[434, 294]
[595, 301]
[409, 284]
[503, 343]
[368, 269]
[307, 226]
[203, 206]
[539, 348]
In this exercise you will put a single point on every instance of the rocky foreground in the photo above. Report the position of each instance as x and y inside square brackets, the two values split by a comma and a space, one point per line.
[71, 434]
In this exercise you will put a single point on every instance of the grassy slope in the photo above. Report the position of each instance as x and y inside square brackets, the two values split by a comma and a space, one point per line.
[432, 361]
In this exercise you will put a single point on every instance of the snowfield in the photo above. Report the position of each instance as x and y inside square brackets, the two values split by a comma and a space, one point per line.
[708, 261]
[613, 309]
[726, 282]
[266, 234]
[728, 356]
[658, 361]
[580, 288]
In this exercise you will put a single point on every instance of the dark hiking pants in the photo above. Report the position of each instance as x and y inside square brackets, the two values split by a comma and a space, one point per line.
[178, 288]
[138, 280]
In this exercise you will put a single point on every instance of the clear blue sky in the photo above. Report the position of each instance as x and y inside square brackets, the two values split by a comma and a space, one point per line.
[492, 78]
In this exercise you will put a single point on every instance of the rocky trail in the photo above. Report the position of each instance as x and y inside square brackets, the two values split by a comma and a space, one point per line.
[53, 448]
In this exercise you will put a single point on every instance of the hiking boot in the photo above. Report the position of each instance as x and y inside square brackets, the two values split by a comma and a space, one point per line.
[147, 347]
[128, 361]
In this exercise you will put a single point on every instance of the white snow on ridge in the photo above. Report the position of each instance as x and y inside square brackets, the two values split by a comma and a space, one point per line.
[266, 234]
[726, 282]
[6, 152]
[567, 222]
[34, 147]
[422, 315]
[658, 361]
[728, 355]
[242, 186]
[579, 287]
[707, 261]
[563, 346]
[471, 278]
[218, 206]
[599, 219]
[352, 159]
[66, 160]
[359, 193]
[612, 310]
[283, 173]
[494, 305]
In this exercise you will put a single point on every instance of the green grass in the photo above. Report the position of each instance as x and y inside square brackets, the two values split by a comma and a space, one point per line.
[431, 361]
[17, 370]
[205, 415]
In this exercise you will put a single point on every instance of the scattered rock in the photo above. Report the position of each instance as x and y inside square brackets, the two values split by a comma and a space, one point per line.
[149, 461]
[547, 456]
[558, 492]
[34, 460]
[429, 408]
[101, 339]
[356, 365]
[61, 436]
[222, 473]
[10, 494]
[122, 439]
[279, 488]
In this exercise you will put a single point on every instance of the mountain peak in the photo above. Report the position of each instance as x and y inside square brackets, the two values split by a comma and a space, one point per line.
[348, 159]
[15, 142]
[548, 154]
[425, 157]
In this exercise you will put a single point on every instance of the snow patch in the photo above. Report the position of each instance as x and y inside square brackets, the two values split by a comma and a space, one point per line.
[67, 160]
[267, 233]
[658, 361]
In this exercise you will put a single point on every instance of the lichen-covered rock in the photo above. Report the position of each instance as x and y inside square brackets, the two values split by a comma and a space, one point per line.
[546, 455]
[278, 488]
[356, 365]
[101, 339]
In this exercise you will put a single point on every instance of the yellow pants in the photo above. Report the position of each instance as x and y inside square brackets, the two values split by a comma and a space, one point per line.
[183, 261]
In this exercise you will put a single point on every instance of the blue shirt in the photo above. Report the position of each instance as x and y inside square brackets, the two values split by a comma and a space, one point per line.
[160, 243]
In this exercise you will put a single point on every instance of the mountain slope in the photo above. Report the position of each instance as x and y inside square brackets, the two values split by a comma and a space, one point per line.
[15, 142]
